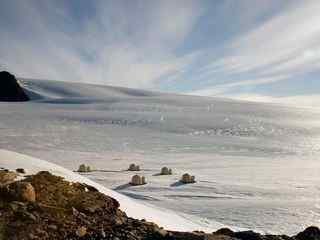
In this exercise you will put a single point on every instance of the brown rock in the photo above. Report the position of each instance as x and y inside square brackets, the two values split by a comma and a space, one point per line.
[7, 177]
[53, 227]
[81, 231]
[25, 192]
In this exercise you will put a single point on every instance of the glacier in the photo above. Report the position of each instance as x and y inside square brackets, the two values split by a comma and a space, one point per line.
[256, 164]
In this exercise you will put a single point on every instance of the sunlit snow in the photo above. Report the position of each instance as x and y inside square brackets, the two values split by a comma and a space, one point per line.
[256, 165]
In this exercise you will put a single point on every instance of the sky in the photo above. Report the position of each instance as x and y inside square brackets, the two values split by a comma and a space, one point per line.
[266, 50]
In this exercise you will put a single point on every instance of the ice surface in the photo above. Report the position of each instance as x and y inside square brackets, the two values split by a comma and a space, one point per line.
[257, 165]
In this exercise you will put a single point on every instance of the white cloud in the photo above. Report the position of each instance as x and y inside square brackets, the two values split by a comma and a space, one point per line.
[222, 88]
[280, 48]
[135, 44]
[282, 38]
[310, 101]
[117, 45]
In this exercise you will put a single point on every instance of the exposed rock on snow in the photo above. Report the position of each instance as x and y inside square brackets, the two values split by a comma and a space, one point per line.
[138, 180]
[20, 170]
[10, 90]
[134, 167]
[187, 178]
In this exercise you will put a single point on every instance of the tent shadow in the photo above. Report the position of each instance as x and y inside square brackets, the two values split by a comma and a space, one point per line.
[123, 186]
[177, 184]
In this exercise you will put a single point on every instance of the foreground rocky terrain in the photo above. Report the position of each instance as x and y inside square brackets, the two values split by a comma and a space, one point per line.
[44, 206]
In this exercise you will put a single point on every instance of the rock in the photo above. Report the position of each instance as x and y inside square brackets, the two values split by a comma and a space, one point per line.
[10, 90]
[32, 236]
[81, 231]
[187, 178]
[28, 216]
[225, 231]
[20, 170]
[68, 211]
[24, 192]
[248, 235]
[15, 205]
[7, 177]
[138, 180]
[52, 227]
[162, 232]
[134, 167]
[311, 233]
[166, 171]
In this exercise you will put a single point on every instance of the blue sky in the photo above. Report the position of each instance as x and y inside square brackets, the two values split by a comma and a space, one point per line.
[266, 50]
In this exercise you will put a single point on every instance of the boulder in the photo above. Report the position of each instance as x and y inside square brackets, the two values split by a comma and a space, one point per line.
[311, 233]
[248, 235]
[7, 177]
[224, 231]
[166, 171]
[134, 167]
[81, 231]
[10, 90]
[187, 178]
[20, 170]
[138, 180]
[23, 191]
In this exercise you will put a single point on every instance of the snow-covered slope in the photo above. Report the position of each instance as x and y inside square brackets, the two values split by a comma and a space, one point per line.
[169, 220]
[256, 164]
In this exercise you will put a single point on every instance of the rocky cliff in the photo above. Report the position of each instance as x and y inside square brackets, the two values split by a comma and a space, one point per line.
[10, 90]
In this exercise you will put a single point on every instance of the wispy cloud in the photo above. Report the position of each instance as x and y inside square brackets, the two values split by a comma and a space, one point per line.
[311, 101]
[282, 47]
[120, 42]
[204, 47]
[223, 88]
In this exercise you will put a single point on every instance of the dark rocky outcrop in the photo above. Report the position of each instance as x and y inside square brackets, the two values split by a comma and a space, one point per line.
[10, 90]
[44, 206]
[311, 233]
